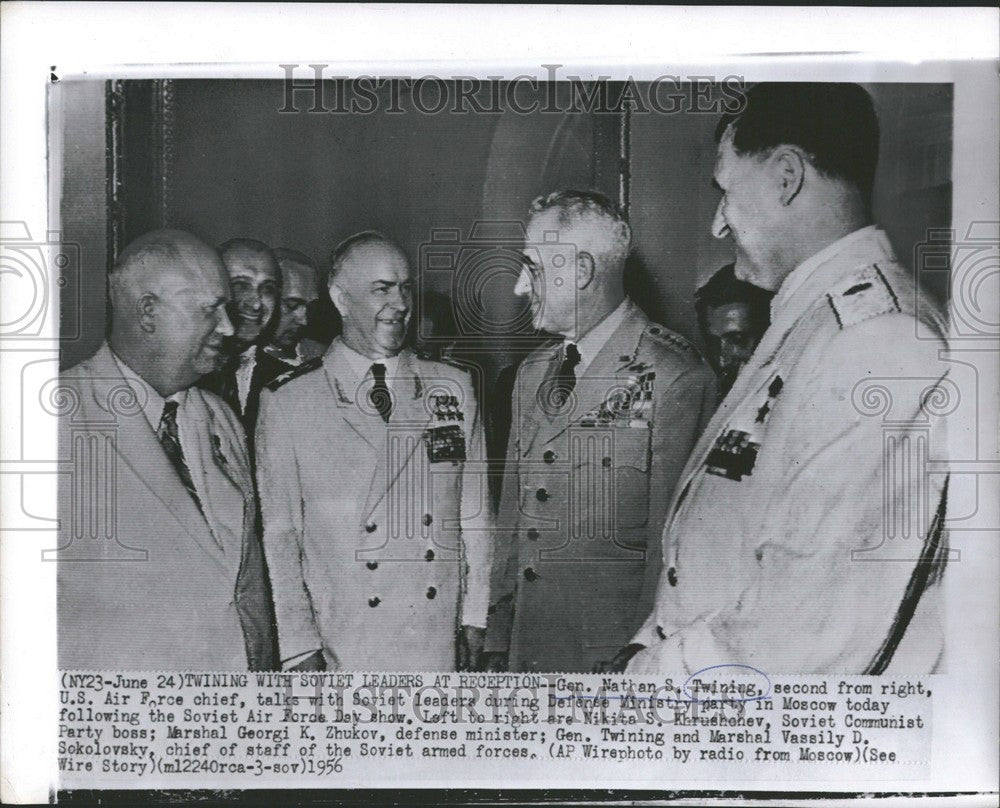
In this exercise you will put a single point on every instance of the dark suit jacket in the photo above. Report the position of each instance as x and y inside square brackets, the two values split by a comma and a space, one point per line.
[223, 383]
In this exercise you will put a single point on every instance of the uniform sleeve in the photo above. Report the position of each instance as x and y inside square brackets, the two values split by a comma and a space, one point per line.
[826, 591]
[503, 581]
[683, 410]
[281, 510]
[476, 520]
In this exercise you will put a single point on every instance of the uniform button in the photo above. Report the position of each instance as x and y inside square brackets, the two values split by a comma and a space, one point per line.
[429, 555]
[428, 519]
[532, 534]
[530, 574]
[549, 457]
[606, 462]
[372, 565]
[431, 593]
[541, 495]
[371, 527]
[373, 602]
[672, 576]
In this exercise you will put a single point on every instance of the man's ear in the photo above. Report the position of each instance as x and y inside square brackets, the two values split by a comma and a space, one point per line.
[145, 311]
[584, 270]
[337, 297]
[790, 166]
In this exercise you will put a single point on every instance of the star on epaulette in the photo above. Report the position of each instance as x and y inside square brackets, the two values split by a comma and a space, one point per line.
[864, 295]
[294, 373]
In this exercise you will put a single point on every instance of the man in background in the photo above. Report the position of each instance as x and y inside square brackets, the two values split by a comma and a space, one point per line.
[299, 291]
[376, 524]
[732, 317]
[255, 284]
[603, 419]
[181, 586]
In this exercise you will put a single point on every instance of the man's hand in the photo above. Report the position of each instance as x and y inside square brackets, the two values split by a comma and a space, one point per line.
[313, 662]
[620, 660]
[470, 646]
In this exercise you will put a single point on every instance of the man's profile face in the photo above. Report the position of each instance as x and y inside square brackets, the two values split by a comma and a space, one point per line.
[374, 293]
[191, 320]
[747, 213]
[298, 290]
[255, 286]
[731, 338]
[548, 275]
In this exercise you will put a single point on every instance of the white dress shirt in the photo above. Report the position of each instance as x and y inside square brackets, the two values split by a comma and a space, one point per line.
[244, 374]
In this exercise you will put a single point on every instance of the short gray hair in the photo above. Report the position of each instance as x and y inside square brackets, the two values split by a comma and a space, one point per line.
[577, 207]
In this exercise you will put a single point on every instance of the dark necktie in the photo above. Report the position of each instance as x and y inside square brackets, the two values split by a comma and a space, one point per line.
[379, 396]
[559, 386]
[169, 440]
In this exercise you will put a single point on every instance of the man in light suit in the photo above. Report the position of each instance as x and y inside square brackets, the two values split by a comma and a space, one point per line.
[376, 520]
[172, 576]
[602, 422]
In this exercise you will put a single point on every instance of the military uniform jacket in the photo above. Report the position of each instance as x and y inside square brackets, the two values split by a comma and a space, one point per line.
[377, 535]
[223, 383]
[584, 496]
[146, 580]
[794, 535]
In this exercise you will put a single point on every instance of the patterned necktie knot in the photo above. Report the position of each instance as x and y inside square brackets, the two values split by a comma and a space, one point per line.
[168, 420]
[379, 396]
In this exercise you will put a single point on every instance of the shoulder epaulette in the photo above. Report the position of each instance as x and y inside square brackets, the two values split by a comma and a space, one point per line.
[294, 373]
[668, 338]
[864, 295]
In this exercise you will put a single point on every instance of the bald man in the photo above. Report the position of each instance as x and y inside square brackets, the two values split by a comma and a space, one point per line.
[373, 489]
[168, 574]
[602, 421]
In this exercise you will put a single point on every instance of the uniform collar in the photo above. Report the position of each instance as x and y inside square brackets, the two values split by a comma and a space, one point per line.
[360, 365]
[864, 240]
[591, 343]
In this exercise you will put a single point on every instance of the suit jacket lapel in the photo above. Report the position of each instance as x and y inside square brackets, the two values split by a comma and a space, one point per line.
[528, 416]
[141, 452]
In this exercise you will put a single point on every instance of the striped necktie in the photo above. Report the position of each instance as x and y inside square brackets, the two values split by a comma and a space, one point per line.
[170, 441]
